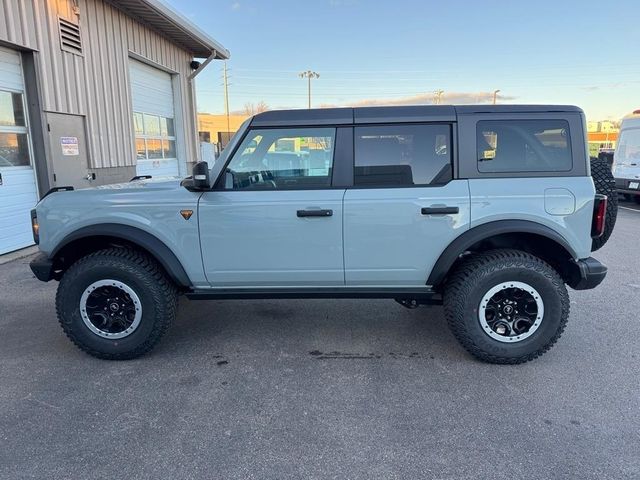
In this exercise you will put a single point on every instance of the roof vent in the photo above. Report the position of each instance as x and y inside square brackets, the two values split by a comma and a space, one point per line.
[70, 40]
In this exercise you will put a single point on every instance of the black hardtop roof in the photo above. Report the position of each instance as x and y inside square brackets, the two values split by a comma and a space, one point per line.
[417, 113]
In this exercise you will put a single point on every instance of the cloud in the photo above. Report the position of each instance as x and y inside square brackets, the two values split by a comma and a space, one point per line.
[235, 6]
[457, 98]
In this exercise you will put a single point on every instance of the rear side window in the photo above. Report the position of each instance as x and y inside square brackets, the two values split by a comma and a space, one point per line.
[523, 146]
[402, 155]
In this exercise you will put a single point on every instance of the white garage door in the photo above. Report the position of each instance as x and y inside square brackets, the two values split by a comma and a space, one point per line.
[153, 118]
[18, 192]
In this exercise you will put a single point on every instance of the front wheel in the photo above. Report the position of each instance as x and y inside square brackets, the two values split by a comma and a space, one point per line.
[506, 306]
[116, 304]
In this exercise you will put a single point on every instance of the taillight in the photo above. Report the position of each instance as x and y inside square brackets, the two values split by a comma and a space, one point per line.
[599, 215]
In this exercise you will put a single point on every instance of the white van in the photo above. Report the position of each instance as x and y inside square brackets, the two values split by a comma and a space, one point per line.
[626, 159]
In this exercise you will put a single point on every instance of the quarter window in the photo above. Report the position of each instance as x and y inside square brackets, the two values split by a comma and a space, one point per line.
[523, 146]
[14, 134]
[293, 158]
[155, 137]
[402, 155]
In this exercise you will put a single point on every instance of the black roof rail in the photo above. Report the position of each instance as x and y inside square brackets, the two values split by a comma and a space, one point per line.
[141, 177]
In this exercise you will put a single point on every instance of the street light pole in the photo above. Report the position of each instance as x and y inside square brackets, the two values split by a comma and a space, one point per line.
[495, 96]
[438, 96]
[309, 74]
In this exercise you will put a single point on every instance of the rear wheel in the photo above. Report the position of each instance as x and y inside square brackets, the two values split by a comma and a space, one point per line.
[606, 185]
[116, 304]
[506, 306]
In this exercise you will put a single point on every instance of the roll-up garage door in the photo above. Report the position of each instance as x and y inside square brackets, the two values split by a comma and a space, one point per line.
[18, 193]
[153, 118]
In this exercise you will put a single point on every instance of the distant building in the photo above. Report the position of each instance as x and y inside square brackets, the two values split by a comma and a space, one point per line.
[601, 136]
[218, 129]
[92, 92]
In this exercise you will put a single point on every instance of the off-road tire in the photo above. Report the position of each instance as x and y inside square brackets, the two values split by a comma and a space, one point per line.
[476, 275]
[606, 185]
[157, 294]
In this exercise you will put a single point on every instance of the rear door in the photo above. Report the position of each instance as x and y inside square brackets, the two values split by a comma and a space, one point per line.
[404, 208]
[276, 220]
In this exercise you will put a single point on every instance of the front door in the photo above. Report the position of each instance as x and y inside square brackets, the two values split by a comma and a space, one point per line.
[275, 220]
[404, 209]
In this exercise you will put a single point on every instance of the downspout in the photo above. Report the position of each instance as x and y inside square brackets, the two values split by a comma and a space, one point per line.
[212, 56]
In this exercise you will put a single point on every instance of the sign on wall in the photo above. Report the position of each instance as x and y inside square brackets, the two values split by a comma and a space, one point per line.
[70, 146]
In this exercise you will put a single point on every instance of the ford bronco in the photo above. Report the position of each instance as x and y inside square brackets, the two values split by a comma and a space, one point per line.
[488, 210]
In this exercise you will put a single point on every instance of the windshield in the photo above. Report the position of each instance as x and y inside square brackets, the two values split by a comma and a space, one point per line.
[628, 152]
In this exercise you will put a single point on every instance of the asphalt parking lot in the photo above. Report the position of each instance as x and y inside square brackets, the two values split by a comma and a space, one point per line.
[323, 389]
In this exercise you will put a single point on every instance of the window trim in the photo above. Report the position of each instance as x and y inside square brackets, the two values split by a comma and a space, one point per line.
[218, 185]
[453, 143]
[518, 172]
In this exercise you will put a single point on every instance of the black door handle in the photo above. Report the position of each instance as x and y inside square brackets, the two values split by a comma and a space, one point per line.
[439, 210]
[315, 213]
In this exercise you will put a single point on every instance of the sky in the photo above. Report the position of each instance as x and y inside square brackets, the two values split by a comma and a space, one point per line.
[370, 52]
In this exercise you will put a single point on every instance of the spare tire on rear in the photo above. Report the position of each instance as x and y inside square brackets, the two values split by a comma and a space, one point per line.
[606, 185]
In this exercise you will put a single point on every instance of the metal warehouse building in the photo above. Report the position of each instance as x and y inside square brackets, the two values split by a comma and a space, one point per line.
[92, 92]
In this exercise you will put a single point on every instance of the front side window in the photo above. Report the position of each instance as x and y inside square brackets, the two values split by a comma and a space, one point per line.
[505, 146]
[291, 158]
[628, 147]
[14, 134]
[402, 155]
[155, 137]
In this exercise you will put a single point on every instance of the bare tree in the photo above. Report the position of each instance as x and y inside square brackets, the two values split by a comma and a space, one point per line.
[252, 108]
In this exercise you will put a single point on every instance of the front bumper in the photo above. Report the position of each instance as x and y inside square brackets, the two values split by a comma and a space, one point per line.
[587, 273]
[42, 268]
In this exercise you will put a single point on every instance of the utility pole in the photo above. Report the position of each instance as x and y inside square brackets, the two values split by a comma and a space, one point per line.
[438, 96]
[495, 96]
[309, 75]
[226, 98]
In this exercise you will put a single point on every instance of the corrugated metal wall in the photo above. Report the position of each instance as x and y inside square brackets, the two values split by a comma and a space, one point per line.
[97, 83]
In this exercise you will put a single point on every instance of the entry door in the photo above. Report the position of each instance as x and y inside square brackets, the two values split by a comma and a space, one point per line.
[405, 208]
[275, 221]
[68, 147]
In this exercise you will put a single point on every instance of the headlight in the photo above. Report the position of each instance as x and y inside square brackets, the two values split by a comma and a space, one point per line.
[35, 227]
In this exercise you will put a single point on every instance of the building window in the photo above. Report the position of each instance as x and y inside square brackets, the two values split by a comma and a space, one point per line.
[155, 137]
[14, 134]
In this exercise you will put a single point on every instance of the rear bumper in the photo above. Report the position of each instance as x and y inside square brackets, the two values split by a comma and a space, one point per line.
[42, 268]
[622, 186]
[588, 273]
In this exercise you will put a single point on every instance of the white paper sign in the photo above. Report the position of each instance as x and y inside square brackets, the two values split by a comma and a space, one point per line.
[69, 146]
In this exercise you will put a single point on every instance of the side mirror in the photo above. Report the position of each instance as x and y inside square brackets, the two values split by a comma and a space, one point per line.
[201, 180]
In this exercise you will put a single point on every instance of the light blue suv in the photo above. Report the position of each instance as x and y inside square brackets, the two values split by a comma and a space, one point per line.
[489, 210]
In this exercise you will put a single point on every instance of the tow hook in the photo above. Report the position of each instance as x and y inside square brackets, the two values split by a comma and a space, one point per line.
[409, 303]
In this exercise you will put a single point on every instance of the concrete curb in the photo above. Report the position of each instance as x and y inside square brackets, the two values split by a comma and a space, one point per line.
[25, 252]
